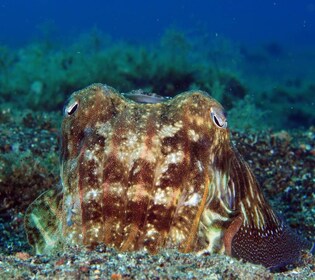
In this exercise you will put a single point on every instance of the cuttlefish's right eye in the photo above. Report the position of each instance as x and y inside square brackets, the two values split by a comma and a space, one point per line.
[218, 117]
[71, 108]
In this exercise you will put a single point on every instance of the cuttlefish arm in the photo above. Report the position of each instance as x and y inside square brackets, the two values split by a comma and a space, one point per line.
[43, 222]
[257, 234]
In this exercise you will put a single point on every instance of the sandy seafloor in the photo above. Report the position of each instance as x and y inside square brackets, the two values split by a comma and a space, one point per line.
[283, 161]
[81, 264]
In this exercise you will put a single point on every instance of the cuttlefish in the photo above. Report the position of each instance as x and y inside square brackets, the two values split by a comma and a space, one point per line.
[141, 172]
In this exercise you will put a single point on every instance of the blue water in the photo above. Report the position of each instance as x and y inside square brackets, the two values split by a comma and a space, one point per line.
[247, 21]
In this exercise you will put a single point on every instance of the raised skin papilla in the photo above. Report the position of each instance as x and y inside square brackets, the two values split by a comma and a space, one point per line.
[149, 176]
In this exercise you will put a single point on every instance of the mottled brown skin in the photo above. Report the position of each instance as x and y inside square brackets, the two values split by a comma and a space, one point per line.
[159, 175]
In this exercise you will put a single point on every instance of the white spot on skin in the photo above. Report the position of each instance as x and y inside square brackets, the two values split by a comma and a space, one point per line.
[193, 136]
[170, 130]
[95, 231]
[177, 236]
[69, 210]
[160, 197]
[118, 226]
[90, 155]
[244, 213]
[136, 170]
[199, 165]
[172, 158]
[96, 147]
[131, 139]
[104, 129]
[175, 157]
[152, 232]
[193, 200]
[134, 148]
[165, 197]
[125, 155]
[68, 201]
[248, 202]
[117, 189]
[92, 194]
[137, 193]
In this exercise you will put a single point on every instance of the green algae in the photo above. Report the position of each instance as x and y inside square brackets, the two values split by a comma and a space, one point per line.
[41, 75]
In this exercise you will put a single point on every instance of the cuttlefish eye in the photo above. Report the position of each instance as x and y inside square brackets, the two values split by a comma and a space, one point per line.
[218, 117]
[71, 108]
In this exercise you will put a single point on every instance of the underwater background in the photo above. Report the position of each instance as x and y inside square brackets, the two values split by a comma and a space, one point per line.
[256, 57]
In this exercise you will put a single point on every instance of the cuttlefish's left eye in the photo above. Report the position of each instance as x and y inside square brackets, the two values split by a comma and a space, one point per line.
[71, 108]
[218, 117]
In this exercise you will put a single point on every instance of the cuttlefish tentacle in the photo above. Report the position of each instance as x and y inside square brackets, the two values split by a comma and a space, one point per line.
[43, 222]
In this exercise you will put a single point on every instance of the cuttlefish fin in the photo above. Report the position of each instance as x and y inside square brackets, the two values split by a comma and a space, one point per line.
[257, 234]
[43, 223]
